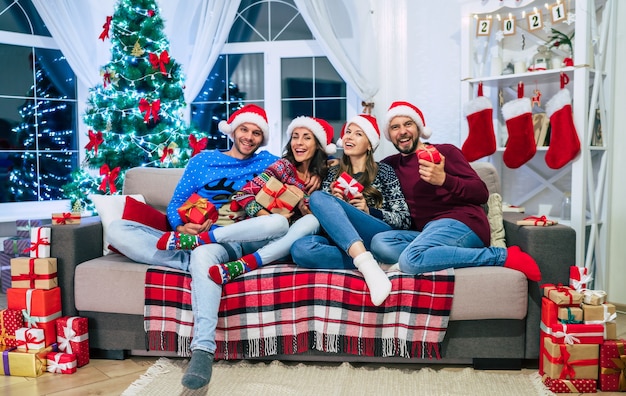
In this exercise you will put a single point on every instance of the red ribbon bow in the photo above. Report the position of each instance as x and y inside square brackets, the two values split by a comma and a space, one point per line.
[64, 218]
[105, 27]
[28, 339]
[31, 276]
[166, 151]
[109, 177]
[150, 109]
[34, 246]
[277, 203]
[197, 145]
[542, 219]
[159, 62]
[95, 140]
[106, 78]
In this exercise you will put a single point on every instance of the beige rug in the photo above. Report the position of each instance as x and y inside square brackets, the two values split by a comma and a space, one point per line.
[277, 379]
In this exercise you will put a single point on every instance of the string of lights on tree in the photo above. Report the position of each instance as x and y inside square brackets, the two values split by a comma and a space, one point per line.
[136, 114]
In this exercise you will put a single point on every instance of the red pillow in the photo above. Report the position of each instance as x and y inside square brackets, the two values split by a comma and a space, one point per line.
[145, 214]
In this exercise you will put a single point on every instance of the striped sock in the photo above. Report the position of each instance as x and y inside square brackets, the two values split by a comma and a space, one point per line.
[174, 240]
[224, 273]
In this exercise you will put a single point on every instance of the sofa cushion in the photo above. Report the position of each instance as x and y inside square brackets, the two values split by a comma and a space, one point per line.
[109, 208]
[143, 213]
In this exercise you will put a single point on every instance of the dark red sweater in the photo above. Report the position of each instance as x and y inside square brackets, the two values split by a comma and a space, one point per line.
[459, 198]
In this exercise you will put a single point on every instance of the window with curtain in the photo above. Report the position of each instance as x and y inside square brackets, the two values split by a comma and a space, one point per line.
[270, 59]
[38, 115]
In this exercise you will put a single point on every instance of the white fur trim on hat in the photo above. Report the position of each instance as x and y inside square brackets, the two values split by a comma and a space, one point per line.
[516, 108]
[243, 117]
[366, 125]
[476, 105]
[316, 128]
[558, 101]
[406, 110]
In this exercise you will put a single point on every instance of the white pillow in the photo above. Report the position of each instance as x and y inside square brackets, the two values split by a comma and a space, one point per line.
[109, 208]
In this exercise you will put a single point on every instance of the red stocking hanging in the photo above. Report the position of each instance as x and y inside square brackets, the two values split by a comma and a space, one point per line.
[521, 146]
[481, 140]
[564, 142]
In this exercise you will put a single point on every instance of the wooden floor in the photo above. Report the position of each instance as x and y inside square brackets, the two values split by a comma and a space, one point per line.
[112, 377]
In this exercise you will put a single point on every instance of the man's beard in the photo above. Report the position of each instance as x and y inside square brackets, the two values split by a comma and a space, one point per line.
[410, 150]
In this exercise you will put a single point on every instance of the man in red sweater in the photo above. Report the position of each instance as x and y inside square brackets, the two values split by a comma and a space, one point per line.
[445, 197]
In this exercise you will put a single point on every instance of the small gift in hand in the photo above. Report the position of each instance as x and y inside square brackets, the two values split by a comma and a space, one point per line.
[348, 185]
[429, 153]
[278, 197]
[197, 210]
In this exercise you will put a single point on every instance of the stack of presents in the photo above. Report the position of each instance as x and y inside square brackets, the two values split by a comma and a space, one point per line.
[34, 336]
[579, 350]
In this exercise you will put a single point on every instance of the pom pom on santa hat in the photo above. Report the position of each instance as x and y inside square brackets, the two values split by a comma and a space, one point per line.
[323, 131]
[368, 125]
[249, 113]
[408, 110]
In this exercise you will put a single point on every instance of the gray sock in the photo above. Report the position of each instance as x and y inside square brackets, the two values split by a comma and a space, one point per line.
[198, 373]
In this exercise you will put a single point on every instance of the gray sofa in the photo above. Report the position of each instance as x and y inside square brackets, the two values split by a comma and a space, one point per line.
[495, 314]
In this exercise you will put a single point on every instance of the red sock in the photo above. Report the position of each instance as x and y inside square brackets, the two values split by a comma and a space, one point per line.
[521, 146]
[481, 140]
[564, 142]
[520, 261]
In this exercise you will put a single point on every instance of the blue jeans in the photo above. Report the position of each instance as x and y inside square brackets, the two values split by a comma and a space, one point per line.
[442, 244]
[344, 224]
[138, 242]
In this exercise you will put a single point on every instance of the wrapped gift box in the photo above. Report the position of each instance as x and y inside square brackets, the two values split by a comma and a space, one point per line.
[599, 314]
[564, 361]
[40, 242]
[41, 309]
[61, 363]
[571, 386]
[610, 331]
[197, 210]
[23, 227]
[612, 366]
[10, 321]
[66, 218]
[570, 315]
[593, 297]
[561, 333]
[16, 246]
[73, 337]
[278, 197]
[348, 185]
[541, 221]
[5, 272]
[30, 340]
[34, 273]
[579, 278]
[429, 153]
[24, 364]
[563, 295]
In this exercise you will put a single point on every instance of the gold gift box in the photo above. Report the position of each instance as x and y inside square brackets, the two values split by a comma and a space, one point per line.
[24, 364]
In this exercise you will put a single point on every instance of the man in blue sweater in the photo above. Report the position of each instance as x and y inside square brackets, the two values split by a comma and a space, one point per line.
[445, 197]
[214, 175]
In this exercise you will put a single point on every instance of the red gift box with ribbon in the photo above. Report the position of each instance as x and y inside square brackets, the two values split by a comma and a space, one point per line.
[570, 386]
[579, 278]
[565, 361]
[348, 185]
[429, 153]
[61, 363]
[66, 218]
[30, 340]
[40, 309]
[197, 210]
[278, 197]
[73, 337]
[541, 221]
[10, 321]
[34, 273]
[613, 366]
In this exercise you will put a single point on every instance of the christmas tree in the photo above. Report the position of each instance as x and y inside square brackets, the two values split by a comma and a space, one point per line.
[46, 124]
[136, 114]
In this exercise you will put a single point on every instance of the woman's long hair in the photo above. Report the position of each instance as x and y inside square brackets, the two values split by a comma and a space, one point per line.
[371, 194]
[319, 162]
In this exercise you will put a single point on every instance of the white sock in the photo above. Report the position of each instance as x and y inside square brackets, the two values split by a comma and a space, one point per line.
[375, 277]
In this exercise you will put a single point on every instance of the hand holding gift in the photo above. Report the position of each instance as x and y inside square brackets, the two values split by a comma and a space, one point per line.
[197, 210]
[277, 197]
[348, 186]
[429, 153]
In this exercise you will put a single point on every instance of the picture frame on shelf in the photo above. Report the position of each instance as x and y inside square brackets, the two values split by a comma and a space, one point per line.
[535, 21]
[483, 27]
[558, 12]
[541, 122]
[596, 137]
[508, 26]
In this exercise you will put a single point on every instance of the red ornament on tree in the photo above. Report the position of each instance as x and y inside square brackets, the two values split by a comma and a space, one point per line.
[105, 27]
[108, 178]
[159, 61]
[95, 139]
[197, 145]
[151, 109]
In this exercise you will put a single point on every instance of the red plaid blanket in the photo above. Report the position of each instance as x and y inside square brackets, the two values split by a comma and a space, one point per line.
[282, 309]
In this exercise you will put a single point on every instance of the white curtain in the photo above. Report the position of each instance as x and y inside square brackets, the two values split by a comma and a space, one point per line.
[346, 32]
[196, 29]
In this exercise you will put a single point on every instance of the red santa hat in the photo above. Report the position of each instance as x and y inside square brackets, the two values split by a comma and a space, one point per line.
[249, 113]
[322, 130]
[406, 109]
[368, 124]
